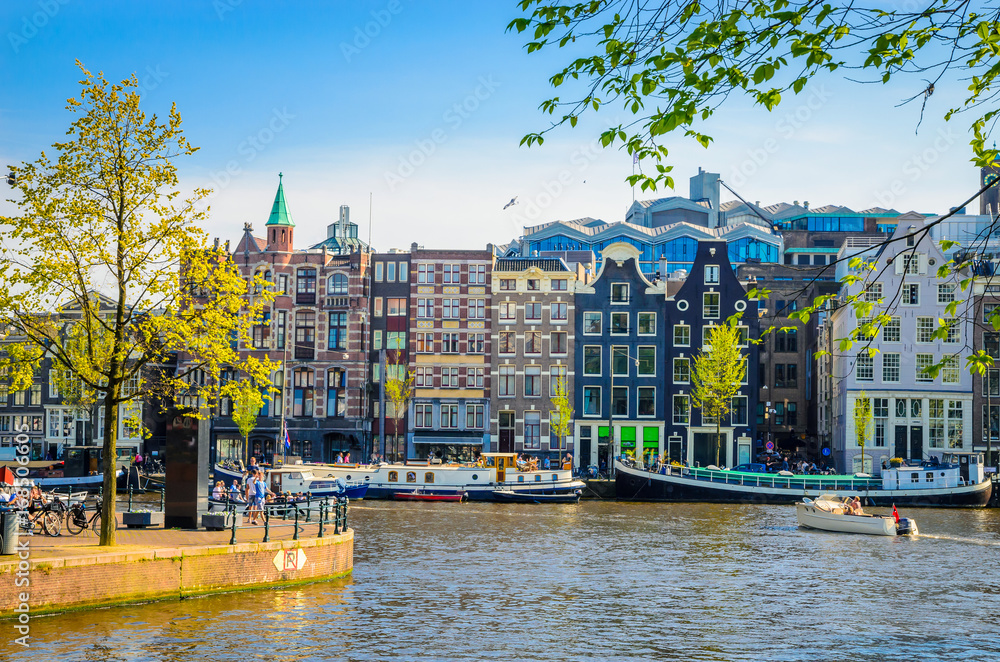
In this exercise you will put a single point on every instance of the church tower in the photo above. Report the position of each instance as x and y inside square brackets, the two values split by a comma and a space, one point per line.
[280, 225]
[989, 201]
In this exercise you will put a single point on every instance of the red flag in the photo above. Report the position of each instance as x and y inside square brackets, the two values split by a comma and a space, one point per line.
[895, 514]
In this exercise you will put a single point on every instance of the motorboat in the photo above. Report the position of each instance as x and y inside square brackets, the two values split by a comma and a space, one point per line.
[520, 496]
[832, 513]
[299, 480]
[420, 495]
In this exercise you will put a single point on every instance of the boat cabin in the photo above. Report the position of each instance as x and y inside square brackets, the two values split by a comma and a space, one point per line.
[954, 469]
[289, 479]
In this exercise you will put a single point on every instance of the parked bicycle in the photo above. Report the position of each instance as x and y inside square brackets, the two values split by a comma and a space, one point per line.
[77, 519]
[44, 519]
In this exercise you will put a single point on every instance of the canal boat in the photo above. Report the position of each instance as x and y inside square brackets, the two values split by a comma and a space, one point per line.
[420, 495]
[832, 513]
[514, 496]
[957, 480]
[478, 480]
[299, 479]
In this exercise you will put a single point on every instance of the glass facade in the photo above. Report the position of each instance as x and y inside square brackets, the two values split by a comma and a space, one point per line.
[824, 223]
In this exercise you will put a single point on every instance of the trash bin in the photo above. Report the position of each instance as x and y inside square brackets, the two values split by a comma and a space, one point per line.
[8, 531]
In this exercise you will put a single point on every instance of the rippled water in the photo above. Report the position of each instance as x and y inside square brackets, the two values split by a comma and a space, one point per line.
[599, 580]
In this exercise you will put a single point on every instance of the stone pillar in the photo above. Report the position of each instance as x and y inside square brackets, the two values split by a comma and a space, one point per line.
[187, 469]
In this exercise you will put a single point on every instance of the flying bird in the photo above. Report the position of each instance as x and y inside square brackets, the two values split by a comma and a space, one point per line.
[513, 201]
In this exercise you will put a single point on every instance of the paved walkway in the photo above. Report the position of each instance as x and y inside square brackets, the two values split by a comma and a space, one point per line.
[137, 540]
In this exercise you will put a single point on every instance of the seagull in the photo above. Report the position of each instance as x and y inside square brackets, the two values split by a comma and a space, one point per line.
[513, 201]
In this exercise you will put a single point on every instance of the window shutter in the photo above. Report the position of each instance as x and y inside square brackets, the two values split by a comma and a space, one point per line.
[922, 264]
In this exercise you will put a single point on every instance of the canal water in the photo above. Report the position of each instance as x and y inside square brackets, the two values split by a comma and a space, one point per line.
[598, 580]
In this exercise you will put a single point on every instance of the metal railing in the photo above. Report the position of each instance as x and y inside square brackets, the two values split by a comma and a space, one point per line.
[322, 511]
[800, 481]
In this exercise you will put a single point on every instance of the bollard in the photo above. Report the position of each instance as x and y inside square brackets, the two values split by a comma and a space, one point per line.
[232, 538]
[267, 527]
[130, 497]
[295, 536]
[308, 504]
[322, 513]
[336, 518]
[162, 490]
[343, 524]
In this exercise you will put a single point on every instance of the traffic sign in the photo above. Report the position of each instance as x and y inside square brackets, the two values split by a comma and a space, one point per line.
[769, 445]
[826, 450]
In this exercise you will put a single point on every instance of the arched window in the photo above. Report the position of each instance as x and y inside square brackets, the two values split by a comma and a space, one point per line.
[304, 396]
[393, 476]
[411, 476]
[429, 477]
[337, 284]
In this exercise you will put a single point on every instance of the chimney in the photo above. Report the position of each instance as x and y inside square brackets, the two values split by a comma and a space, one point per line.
[414, 247]
[216, 243]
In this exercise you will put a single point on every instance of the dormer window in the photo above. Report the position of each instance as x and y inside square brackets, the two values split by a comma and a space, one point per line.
[711, 274]
[619, 292]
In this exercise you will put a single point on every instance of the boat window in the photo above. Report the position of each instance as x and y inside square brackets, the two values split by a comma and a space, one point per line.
[520, 479]
[929, 477]
[915, 477]
[555, 476]
[429, 477]
[475, 476]
[393, 476]
[295, 475]
[538, 478]
[347, 477]
[411, 476]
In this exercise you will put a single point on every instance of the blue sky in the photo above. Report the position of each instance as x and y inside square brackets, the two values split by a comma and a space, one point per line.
[422, 105]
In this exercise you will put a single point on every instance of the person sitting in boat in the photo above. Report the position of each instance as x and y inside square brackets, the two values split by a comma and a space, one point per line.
[219, 491]
[854, 507]
[234, 492]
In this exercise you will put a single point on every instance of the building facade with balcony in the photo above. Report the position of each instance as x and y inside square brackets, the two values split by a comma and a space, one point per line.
[533, 317]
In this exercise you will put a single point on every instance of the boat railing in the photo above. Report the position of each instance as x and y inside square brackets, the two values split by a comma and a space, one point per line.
[798, 481]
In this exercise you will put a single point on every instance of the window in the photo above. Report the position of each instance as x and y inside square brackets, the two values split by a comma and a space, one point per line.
[425, 343]
[682, 335]
[449, 377]
[396, 340]
[915, 405]
[395, 307]
[336, 392]
[378, 307]
[558, 311]
[404, 273]
[989, 309]
[925, 329]
[591, 400]
[532, 381]
[477, 274]
[619, 293]
[557, 373]
[477, 309]
[682, 371]
[620, 361]
[786, 375]
[449, 343]
[305, 334]
[954, 330]
[532, 311]
[338, 331]
[477, 343]
[534, 285]
[866, 331]
[592, 359]
[711, 305]
[283, 284]
[890, 368]
[791, 413]
[945, 293]
[474, 417]
[302, 401]
[390, 272]
[955, 424]
[508, 284]
[682, 409]
[647, 360]
[424, 377]
[991, 422]
[558, 342]
[880, 412]
[592, 323]
[532, 430]
[449, 417]
[872, 293]
[451, 274]
[935, 417]
[508, 311]
[559, 284]
[949, 370]
[532, 342]
[991, 382]
[991, 344]
[282, 323]
[890, 330]
[425, 274]
[337, 284]
[507, 381]
[711, 274]
[305, 286]
[619, 401]
[425, 308]
[450, 309]
[924, 361]
[646, 324]
[619, 323]
[865, 368]
[646, 401]
[787, 341]
[911, 294]
[738, 410]
[378, 272]
[507, 342]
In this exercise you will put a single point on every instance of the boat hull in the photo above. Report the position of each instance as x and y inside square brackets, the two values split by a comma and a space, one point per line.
[510, 496]
[635, 484]
[416, 496]
[811, 517]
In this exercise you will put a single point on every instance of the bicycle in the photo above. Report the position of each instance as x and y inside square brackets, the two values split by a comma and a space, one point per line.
[46, 519]
[77, 521]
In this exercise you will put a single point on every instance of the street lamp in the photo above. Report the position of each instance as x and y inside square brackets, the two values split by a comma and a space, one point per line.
[11, 177]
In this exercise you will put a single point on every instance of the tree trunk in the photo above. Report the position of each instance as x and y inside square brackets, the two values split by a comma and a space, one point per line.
[110, 457]
[718, 438]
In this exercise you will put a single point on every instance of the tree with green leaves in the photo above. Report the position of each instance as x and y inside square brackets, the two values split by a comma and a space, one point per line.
[247, 402]
[717, 376]
[399, 391]
[863, 423]
[108, 275]
[561, 416]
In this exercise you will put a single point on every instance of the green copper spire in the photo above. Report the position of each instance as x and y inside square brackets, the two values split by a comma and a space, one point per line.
[279, 210]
